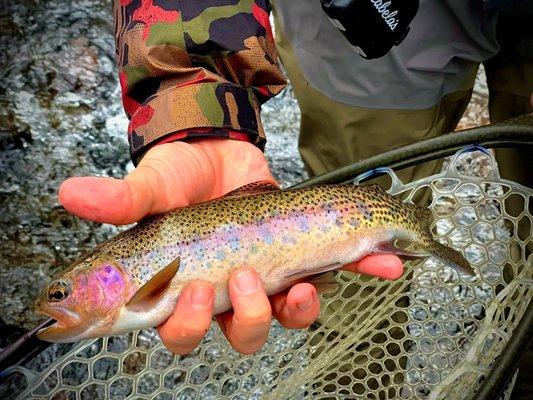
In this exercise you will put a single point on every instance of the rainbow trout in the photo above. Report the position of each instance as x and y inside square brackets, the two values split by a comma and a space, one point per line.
[133, 280]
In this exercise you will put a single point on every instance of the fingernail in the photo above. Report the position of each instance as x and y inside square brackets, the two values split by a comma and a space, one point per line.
[201, 295]
[246, 282]
[305, 305]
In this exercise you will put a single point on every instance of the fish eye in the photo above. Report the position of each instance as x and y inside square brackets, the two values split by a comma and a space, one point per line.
[58, 291]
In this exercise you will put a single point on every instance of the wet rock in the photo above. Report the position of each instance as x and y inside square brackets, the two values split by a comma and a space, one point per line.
[477, 112]
[281, 117]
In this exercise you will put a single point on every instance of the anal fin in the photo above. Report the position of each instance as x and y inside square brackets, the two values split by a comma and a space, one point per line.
[322, 278]
[390, 248]
[310, 272]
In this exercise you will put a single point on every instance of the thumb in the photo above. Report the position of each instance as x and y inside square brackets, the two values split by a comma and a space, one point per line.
[114, 201]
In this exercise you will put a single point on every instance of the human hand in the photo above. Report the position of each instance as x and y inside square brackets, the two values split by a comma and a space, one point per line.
[178, 174]
[169, 176]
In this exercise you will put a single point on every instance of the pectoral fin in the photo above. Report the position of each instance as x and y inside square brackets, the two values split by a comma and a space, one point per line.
[152, 290]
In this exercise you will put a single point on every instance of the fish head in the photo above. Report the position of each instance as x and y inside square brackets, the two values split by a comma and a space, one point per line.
[84, 301]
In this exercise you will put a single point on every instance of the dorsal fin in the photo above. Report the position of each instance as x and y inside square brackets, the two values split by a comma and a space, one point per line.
[253, 188]
[152, 290]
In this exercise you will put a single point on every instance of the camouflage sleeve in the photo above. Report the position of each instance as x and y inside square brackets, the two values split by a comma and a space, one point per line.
[194, 68]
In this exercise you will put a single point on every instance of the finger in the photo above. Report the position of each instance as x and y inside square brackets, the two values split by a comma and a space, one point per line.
[189, 322]
[169, 176]
[298, 308]
[387, 266]
[247, 328]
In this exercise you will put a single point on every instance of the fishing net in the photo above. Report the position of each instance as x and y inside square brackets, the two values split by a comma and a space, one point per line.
[433, 334]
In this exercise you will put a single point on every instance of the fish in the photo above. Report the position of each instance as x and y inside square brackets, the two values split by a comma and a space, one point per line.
[133, 280]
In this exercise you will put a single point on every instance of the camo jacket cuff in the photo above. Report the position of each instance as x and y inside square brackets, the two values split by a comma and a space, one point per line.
[179, 112]
[191, 69]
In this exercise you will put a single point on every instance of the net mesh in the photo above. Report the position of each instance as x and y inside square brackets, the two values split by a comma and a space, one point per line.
[433, 334]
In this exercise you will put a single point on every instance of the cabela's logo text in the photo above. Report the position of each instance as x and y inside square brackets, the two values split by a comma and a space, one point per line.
[387, 15]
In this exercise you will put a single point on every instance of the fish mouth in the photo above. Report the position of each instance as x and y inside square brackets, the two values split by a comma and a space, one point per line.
[58, 333]
[67, 327]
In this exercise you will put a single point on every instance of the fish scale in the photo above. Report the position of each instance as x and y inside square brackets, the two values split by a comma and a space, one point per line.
[285, 235]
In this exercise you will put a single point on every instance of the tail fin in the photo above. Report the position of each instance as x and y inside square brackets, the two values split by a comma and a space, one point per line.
[450, 257]
[443, 253]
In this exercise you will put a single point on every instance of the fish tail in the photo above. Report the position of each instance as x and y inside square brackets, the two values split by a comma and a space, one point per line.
[450, 257]
[445, 254]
